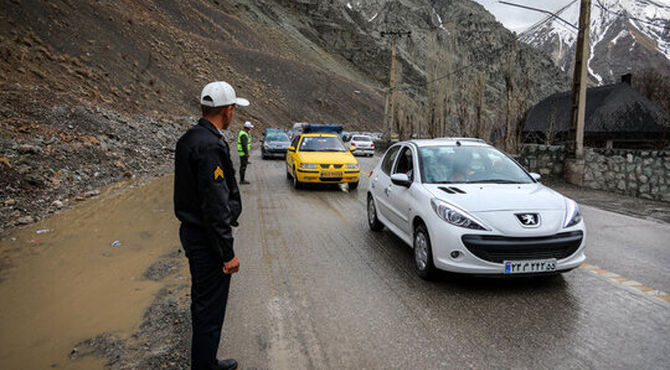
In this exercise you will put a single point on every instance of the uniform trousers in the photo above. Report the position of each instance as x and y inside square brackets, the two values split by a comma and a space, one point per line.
[243, 166]
[209, 295]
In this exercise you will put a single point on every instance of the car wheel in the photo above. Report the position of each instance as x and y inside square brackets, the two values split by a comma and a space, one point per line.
[423, 255]
[296, 183]
[353, 185]
[373, 221]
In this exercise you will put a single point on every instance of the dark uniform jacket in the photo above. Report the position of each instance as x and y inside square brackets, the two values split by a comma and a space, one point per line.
[205, 191]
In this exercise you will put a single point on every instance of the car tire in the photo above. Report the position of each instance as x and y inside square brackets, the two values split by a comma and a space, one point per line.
[353, 185]
[423, 253]
[296, 183]
[373, 221]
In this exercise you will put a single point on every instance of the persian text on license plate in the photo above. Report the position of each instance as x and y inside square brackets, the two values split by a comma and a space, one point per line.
[530, 266]
[331, 174]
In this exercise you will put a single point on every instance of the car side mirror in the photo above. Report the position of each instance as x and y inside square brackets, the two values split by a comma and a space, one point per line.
[352, 148]
[401, 179]
[535, 176]
[291, 149]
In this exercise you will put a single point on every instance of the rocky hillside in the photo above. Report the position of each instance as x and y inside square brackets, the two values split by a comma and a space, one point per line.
[625, 36]
[97, 91]
[461, 72]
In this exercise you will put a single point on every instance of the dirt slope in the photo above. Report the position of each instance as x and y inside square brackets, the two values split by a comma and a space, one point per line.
[95, 91]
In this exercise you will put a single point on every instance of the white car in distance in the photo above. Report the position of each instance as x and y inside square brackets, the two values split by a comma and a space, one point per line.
[466, 207]
[363, 144]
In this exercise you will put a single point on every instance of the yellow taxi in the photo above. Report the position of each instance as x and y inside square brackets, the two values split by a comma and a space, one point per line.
[321, 158]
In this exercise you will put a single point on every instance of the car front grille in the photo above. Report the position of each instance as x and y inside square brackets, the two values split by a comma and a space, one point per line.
[337, 166]
[325, 166]
[500, 248]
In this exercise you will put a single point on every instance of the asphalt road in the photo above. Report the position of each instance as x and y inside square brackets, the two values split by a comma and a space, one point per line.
[318, 290]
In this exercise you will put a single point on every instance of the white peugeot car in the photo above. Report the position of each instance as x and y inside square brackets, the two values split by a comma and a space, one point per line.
[363, 144]
[466, 207]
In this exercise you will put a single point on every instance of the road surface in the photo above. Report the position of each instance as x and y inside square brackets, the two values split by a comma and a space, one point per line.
[318, 290]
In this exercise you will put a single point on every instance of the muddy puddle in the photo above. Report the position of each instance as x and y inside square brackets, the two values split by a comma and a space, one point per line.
[70, 284]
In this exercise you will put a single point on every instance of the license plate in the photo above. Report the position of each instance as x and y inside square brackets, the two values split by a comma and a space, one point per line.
[530, 266]
[331, 174]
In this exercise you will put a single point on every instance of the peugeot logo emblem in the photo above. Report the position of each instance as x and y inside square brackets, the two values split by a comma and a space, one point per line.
[528, 219]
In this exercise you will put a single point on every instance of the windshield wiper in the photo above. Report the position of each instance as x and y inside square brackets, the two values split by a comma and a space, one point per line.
[494, 181]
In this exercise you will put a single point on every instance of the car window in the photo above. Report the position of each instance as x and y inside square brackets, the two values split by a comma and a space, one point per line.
[387, 162]
[277, 137]
[294, 143]
[449, 164]
[322, 144]
[361, 138]
[404, 163]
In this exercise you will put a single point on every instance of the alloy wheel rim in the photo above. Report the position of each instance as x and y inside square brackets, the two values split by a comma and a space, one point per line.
[371, 212]
[421, 250]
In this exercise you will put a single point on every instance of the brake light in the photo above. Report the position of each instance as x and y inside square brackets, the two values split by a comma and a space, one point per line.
[370, 175]
[373, 145]
[353, 144]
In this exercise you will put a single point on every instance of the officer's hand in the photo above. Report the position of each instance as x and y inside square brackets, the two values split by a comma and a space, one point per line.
[231, 266]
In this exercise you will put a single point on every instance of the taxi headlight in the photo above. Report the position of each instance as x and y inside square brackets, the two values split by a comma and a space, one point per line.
[449, 213]
[308, 166]
[352, 166]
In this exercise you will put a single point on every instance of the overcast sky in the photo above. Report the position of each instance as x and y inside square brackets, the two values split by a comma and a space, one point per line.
[517, 19]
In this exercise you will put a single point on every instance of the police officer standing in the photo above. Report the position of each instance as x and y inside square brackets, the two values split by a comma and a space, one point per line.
[207, 202]
[244, 149]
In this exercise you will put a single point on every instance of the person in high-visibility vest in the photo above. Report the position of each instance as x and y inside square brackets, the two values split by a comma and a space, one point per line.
[244, 149]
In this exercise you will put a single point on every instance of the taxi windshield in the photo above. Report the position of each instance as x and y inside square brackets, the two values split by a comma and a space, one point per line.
[322, 144]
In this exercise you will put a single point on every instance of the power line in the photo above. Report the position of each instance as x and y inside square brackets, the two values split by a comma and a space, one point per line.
[544, 20]
[541, 11]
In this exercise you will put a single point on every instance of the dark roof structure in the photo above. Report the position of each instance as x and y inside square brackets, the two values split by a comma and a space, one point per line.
[613, 111]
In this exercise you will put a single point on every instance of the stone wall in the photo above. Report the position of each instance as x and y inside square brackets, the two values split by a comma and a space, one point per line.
[644, 174]
[639, 173]
[547, 160]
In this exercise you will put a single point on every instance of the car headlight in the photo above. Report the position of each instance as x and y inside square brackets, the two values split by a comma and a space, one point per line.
[573, 215]
[266, 146]
[352, 166]
[453, 216]
[308, 166]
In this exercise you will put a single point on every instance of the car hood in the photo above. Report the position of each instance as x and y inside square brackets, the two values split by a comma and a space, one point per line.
[326, 157]
[499, 197]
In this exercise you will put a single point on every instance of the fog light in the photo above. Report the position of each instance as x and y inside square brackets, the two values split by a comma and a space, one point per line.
[455, 254]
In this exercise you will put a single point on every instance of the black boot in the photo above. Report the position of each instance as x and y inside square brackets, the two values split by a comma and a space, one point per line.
[227, 364]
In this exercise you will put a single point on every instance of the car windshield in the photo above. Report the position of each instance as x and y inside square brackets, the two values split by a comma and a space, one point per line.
[469, 164]
[322, 144]
[278, 138]
[361, 138]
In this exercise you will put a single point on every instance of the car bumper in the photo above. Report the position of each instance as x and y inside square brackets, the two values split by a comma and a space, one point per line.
[483, 253]
[363, 151]
[315, 176]
[274, 152]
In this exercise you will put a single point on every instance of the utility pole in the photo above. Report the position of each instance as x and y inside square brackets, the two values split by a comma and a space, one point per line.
[389, 106]
[579, 81]
[575, 166]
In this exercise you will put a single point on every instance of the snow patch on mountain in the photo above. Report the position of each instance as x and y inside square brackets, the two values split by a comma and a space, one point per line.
[645, 24]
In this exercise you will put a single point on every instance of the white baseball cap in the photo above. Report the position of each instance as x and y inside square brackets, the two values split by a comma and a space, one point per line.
[219, 94]
[248, 125]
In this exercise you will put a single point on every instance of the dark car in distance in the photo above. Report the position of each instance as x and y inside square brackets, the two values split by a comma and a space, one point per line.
[275, 145]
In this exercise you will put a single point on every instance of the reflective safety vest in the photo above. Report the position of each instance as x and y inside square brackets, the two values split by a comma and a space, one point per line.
[240, 151]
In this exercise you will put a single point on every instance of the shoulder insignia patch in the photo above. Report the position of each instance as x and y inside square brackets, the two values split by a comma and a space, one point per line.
[218, 173]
